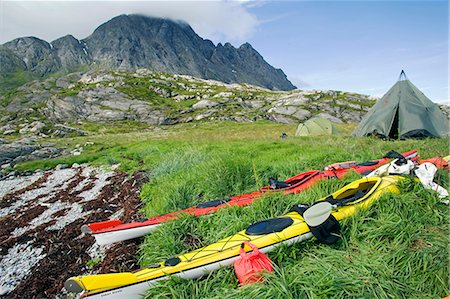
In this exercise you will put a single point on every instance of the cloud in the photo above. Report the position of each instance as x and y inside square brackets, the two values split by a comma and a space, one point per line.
[216, 20]
[299, 83]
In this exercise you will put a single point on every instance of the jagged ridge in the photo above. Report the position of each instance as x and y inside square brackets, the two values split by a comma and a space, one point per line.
[130, 42]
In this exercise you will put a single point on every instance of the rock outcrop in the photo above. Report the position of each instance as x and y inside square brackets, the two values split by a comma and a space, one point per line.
[162, 99]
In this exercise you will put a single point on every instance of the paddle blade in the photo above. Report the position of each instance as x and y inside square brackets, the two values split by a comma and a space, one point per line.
[318, 213]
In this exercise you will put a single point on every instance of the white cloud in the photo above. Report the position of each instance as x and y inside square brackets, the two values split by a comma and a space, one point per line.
[216, 20]
[299, 82]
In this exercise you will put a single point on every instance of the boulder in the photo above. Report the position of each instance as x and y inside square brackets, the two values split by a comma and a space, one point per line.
[223, 94]
[9, 132]
[302, 114]
[9, 152]
[37, 126]
[286, 110]
[252, 104]
[41, 153]
[62, 83]
[292, 100]
[62, 131]
[282, 119]
[330, 117]
[204, 104]
[205, 114]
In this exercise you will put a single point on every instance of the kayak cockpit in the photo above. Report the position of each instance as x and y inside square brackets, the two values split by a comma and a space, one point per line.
[290, 183]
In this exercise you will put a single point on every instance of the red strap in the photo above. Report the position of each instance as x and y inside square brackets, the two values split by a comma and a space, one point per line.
[242, 252]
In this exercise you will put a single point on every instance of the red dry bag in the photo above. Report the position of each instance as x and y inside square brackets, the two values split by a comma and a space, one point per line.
[249, 266]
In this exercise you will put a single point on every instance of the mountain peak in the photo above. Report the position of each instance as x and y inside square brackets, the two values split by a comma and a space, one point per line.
[136, 41]
[246, 46]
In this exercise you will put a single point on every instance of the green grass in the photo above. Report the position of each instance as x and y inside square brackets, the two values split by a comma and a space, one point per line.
[396, 249]
[11, 81]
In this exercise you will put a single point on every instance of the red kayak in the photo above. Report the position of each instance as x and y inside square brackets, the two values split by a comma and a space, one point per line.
[112, 231]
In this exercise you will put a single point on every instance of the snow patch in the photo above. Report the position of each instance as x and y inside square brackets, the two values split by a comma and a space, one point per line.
[17, 264]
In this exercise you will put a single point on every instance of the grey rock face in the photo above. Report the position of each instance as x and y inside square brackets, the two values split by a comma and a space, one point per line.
[302, 114]
[287, 110]
[130, 42]
[446, 110]
[36, 54]
[71, 52]
[9, 152]
[110, 96]
[204, 104]
[26, 149]
[282, 119]
[205, 114]
[330, 117]
[62, 131]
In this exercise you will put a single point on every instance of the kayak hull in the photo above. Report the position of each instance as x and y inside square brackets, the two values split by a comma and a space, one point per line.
[122, 235]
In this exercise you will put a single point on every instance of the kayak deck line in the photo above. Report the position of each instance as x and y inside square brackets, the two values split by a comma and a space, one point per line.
[223, 252]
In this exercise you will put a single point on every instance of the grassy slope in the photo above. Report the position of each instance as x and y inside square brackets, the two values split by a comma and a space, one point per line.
[397, 249]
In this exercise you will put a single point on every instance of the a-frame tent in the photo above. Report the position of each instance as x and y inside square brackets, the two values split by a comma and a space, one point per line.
[404, 112]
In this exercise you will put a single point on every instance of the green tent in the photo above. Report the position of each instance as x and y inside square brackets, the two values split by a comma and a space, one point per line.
[315, 126]
[403, 112]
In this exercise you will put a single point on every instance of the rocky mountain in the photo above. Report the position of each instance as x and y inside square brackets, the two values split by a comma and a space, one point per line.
[130, 42]
[157, 98]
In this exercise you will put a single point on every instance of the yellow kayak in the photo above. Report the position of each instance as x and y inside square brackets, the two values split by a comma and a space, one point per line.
[266, 235]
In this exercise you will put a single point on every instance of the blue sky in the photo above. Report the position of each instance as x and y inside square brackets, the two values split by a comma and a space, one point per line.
[358, 46]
